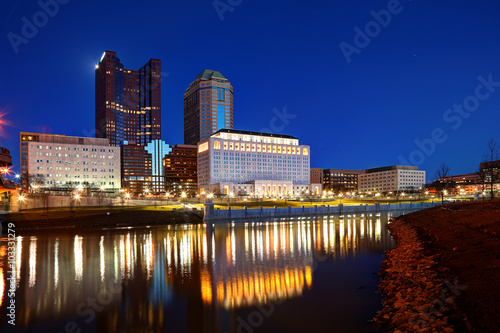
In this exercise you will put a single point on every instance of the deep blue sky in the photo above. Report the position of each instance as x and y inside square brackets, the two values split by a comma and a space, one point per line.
[362, 114]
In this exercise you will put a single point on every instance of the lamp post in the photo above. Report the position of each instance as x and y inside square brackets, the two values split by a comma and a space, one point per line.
[127, 196]
[21, 200]
[77, 199]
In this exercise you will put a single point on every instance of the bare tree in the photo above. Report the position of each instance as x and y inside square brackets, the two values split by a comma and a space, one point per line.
[441, 184]
[489, 168]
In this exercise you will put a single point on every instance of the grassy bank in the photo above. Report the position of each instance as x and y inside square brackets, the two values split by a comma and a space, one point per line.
[98, 217]
[444, 273]
[265, 203]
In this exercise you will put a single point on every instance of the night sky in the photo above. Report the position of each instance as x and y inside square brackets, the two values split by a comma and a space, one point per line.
[287, 63]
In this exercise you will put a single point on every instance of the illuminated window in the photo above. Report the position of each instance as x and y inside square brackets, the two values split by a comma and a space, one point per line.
[274, 149]
[203, 147]
[279, 149]
[237, 147]
[289, 150]
[217, 145]
[298, 150]
[248, 147]
[305, 151]
[264, 148]
[269, 148]
[258, 148]
[231, 146]
[253, 147]
[225, 145]
[242, 147]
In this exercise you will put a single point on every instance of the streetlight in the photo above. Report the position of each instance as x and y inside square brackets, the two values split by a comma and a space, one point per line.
[100, 194]
[21, 199]
[77, 198]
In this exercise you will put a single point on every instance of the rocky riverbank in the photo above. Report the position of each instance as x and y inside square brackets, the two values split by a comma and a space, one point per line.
[443, 274]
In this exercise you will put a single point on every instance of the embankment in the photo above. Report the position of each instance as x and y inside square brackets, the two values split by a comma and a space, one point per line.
[96, 218]
[444, 273]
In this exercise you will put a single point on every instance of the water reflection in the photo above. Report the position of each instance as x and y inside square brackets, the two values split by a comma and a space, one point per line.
[188, 277]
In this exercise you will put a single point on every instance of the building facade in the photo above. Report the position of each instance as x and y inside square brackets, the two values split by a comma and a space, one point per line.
[181, 172]
[341, 180]
[316, 176]
[142, 167]
[208, 106]
[127, 102]
[396, 178]
[61, 163]
[234, 162]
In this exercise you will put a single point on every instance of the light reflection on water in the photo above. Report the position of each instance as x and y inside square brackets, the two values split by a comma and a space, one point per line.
[186, 278]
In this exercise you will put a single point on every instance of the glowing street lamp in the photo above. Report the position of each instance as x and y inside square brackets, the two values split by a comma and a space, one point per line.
[21, 200]
[340, 196]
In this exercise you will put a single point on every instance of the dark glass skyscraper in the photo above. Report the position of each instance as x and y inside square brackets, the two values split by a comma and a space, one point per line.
[208, 106]
[127, 102]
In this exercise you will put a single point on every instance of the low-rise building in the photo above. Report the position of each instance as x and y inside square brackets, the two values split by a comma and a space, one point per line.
[181, 173]
[235, 162]
[396, 178]
[341, 180]
[142, 167]
[58, 162]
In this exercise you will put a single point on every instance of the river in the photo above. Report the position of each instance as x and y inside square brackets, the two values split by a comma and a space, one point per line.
[310, 274]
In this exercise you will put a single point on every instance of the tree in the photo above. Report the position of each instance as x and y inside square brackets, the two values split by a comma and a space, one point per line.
[441, 184]
[482, 180]
[490, 166]
[33, 181]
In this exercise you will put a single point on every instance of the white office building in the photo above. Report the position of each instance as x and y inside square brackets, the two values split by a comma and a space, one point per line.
[234, 162]
[64, 162]
[394, 178]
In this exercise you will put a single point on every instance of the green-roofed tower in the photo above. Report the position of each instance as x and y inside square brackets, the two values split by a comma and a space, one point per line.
[208, 106]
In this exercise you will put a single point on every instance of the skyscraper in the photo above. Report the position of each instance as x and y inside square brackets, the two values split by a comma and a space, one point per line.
[208, 106]
[127, 102]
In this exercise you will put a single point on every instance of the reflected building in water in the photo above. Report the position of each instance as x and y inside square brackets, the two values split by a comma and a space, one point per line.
[192, 278]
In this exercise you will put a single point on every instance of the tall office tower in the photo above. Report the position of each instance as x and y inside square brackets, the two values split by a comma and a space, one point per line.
[127, 102]
[208, 106]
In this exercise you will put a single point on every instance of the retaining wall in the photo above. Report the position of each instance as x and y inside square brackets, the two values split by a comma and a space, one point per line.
[212, 214]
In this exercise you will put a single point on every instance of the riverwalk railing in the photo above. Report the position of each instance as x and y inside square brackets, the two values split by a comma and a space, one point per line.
[212, 214]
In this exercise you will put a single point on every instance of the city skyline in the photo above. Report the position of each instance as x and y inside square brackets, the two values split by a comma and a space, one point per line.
[361, 98]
